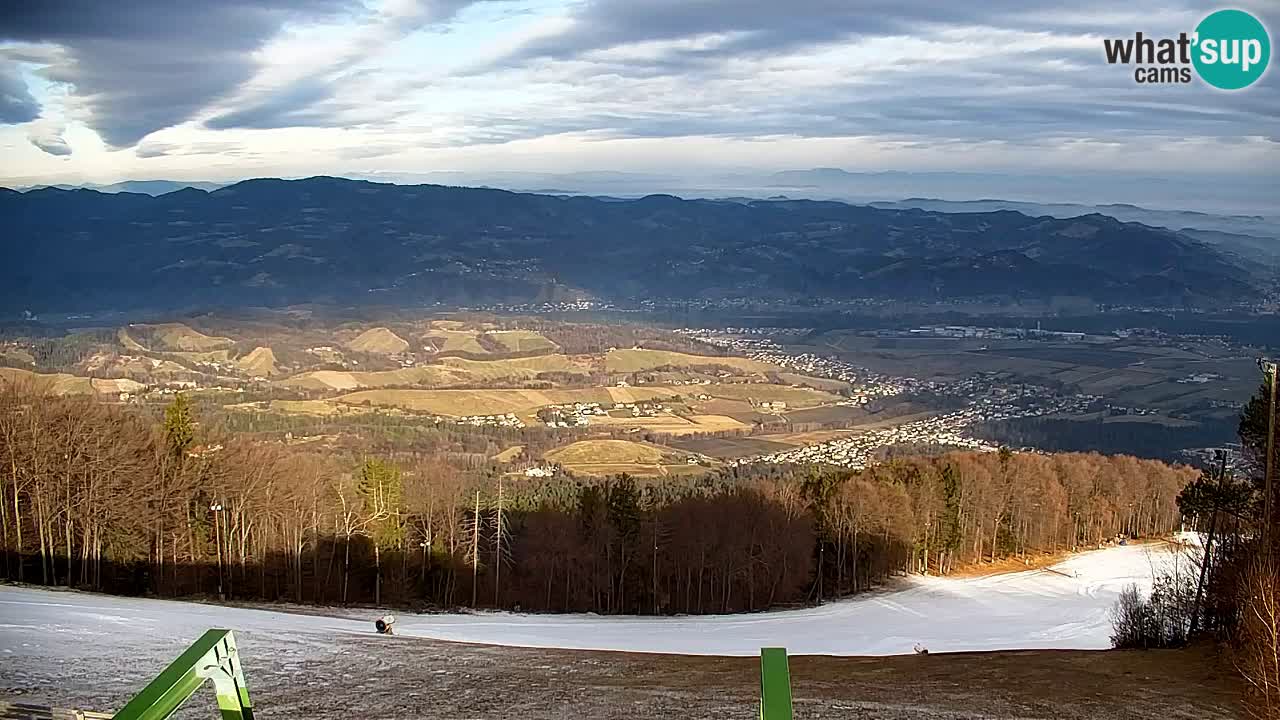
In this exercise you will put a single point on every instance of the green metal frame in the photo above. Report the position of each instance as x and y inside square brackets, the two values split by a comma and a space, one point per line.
[212, 657]
[775, 684]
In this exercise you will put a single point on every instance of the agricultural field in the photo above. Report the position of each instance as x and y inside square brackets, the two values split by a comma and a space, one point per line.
[260, 362]
[1130, 372]
[522, 341]
[511, 454]
[65, 384]
[457, 403]
[640, 360]
[443, 340]
[447, 372]
[174, 337]
[379, 341]
[613, 457]
[671, 424]
[794, 397]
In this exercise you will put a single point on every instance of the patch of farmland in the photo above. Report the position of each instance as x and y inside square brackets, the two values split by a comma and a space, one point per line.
[379, 341]
[829, 414]
[259, 362]
[759, 392]
[518, 368]
[675, 424]
[1108, 383]
[115, 386]
[731, 447]
[455, 403]
[18, 355]
[607, 451]
[54, 383]
[449, 372]
[179, 337]
[817, 383]
[521, 341]
[640, 359]
[302, 407]
[511, 454]
[445, 341]
[1098, 357]
[210, 356]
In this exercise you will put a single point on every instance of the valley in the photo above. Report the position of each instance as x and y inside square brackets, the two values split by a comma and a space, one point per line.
[707, 398]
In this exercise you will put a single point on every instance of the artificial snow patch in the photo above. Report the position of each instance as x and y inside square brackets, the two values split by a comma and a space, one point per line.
[1065, 607]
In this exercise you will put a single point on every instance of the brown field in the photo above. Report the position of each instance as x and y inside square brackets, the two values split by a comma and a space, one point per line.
[446, 340]
[607, 451]
[817, 383]
[303, 407]
[639, 360]
[179, 337]
[808, 438]
[509, 455]
[55, 383]
[794, 397]
[829, 414]
[519, 368]
[614, 457]
[259, 362]
[456, 403]
[208, 356]
[731, 447]
[448, 372]
[379, 341]
[128, 342]
[675, 424]
[520, 341]
[18, 355]
[112, 387]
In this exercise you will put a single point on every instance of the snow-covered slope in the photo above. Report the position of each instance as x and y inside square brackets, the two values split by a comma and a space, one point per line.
[1063, 607]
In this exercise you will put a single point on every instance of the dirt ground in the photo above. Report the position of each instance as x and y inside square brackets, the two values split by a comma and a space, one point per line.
[380, 678]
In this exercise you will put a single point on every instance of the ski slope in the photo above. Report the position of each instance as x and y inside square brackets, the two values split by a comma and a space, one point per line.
[1067, 606]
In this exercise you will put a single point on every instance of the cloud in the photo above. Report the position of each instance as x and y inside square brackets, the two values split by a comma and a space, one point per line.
[49, 140]
[900, 70]
[16, 103]
[308, 100]
[145, 65]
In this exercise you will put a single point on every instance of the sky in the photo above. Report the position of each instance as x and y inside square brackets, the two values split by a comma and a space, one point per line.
[100, 91]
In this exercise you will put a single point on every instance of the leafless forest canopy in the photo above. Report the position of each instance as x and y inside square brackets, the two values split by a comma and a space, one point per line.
[112, 498]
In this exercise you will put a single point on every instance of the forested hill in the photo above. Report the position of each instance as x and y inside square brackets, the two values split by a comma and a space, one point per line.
[272, 242]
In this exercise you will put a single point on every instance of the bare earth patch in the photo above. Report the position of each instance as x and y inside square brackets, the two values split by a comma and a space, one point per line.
[376, 678]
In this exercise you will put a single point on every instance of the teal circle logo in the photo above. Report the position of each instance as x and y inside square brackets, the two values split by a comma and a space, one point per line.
[1232, 49]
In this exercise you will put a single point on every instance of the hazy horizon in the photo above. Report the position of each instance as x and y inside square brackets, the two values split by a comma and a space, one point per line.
[699, 93]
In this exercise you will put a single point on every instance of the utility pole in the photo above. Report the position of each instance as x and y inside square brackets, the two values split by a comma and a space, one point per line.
[475, 550]
[217, 541]
[497, 555]
[1267, 518]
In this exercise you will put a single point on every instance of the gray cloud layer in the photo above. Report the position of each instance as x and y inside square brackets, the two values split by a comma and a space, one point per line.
[735, 68]
[145, 65]
[16, 103]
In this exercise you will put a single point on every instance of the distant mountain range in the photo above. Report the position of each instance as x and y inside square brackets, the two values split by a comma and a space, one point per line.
[1253, 237]
[272, 242]
[145, 187]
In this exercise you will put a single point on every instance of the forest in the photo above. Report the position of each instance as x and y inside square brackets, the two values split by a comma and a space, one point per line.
[117, 499]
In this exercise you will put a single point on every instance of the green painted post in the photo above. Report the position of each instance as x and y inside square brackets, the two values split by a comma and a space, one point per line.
[212, 657]
[775, 684]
